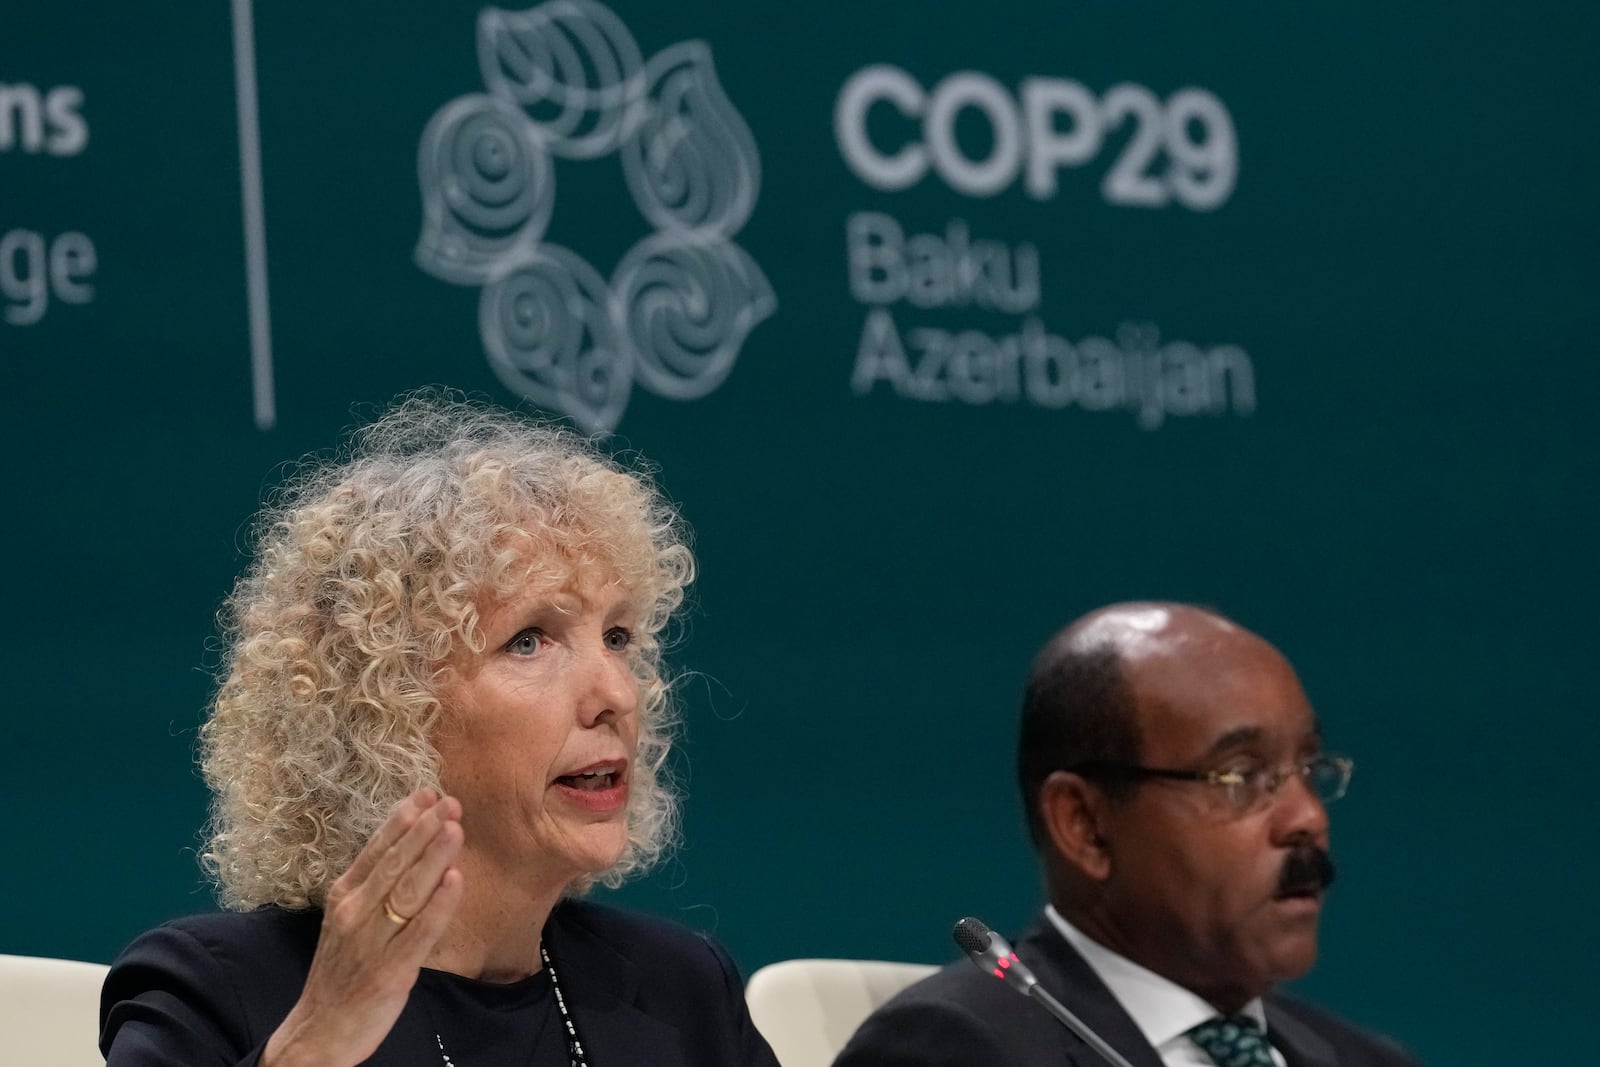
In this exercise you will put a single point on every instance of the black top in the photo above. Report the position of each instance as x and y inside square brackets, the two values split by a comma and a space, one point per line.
[482, 1024]
[207, 991]
[962, 1016]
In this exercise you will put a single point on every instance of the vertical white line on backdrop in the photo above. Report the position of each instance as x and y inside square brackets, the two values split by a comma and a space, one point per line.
[255, 226]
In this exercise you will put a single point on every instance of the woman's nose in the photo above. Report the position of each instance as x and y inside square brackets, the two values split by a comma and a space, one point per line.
[612, 688]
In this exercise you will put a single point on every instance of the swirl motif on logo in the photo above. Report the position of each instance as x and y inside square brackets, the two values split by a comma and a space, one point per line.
[693, 164]
[487, 190]
[566, 79]
[549, 336]
[571, 65]
[686, 308]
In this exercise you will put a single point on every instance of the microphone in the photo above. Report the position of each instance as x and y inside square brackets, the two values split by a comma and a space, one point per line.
[994, 956]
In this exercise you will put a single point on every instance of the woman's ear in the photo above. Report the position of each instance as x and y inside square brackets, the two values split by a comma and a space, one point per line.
[1073, 809]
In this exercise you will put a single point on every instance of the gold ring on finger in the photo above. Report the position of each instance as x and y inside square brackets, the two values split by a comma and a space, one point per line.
[392, 915]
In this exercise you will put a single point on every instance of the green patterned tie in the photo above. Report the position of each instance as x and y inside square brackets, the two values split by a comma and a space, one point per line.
[1235, 1042]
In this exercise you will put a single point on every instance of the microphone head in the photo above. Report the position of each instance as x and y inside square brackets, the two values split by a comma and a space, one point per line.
[972, 935]
[991, 953]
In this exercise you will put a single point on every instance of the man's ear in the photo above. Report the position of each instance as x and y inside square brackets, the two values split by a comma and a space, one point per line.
[1073, 810]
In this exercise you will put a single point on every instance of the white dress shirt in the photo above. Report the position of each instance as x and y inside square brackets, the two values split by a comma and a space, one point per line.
[1163, 1010]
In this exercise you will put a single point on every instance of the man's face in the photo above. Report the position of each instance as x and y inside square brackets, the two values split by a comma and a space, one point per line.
[1197, 890]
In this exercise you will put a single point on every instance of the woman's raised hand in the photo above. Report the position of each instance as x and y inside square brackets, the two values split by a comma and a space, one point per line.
[381, 919]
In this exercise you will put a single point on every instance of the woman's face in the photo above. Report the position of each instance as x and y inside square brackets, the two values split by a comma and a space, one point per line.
[540, 732]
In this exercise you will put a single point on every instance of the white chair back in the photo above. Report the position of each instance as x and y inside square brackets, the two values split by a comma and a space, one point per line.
[807, 1009]
[50, 1011]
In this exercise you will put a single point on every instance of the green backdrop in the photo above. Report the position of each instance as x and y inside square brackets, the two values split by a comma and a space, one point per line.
[1289, 309]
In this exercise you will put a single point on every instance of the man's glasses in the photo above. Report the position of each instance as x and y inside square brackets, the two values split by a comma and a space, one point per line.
[1244, 789]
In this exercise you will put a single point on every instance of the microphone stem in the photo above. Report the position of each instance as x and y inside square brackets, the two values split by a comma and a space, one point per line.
[1077, 1026]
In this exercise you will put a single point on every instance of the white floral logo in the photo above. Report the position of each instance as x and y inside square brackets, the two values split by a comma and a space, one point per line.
[566, 79]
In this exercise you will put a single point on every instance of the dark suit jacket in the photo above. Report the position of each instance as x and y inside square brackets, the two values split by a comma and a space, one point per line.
[963, 1017]
[210, 989]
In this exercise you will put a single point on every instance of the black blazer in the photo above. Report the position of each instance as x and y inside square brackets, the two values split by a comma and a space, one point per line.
[207, 991]
[962, 1017]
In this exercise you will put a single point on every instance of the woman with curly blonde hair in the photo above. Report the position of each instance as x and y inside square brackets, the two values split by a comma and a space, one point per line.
[442, 716]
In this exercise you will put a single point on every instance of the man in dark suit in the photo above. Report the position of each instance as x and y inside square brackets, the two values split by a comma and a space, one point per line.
[1175, 786]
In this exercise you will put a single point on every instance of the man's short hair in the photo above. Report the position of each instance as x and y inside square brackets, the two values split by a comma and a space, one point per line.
[1077, 708]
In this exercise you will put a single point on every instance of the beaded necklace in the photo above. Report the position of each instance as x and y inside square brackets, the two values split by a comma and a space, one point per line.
[575, 1056]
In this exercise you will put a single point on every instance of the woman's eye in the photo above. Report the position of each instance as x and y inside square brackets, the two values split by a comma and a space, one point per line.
[526, 643]
[618, 638]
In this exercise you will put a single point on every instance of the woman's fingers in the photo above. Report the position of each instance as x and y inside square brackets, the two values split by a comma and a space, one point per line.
[399, 822]
[398, 870]
[431, 919]
[421, 859]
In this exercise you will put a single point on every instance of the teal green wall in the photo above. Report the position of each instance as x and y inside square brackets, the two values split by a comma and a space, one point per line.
[1402, 498]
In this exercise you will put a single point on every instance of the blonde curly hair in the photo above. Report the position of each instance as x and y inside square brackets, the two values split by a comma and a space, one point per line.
[367, 577]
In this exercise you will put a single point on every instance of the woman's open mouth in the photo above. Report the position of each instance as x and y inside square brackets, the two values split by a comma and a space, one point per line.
[600, 787]
[589, 781]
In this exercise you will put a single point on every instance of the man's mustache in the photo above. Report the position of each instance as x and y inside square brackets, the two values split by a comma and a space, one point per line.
[1307, 869]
